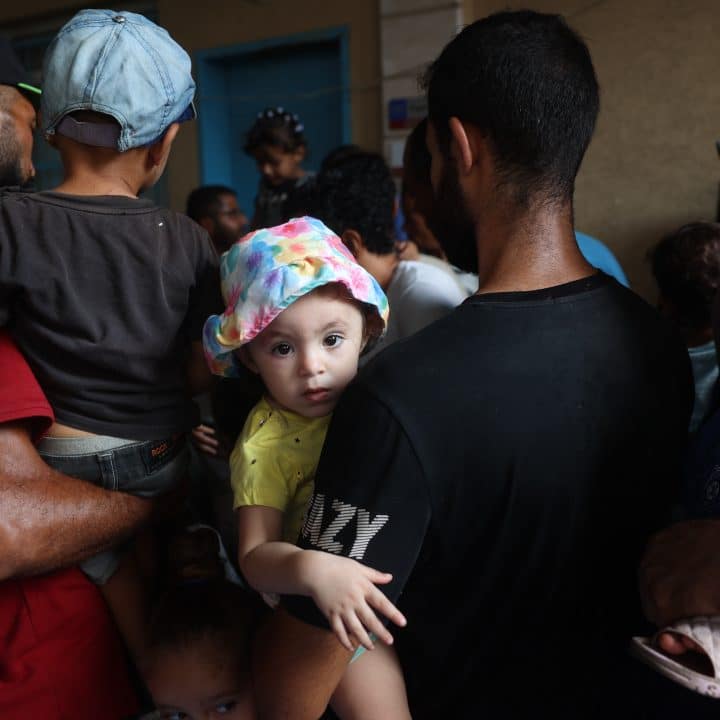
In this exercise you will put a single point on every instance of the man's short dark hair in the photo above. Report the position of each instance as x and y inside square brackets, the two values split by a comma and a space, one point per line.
[526, 80]
[686, 266]
[205, 201]
[358, 193]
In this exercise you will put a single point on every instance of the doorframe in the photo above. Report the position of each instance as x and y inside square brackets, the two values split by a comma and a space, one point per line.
[213, 120]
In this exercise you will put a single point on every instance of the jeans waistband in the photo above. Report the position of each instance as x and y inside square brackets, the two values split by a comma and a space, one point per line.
[83, 445]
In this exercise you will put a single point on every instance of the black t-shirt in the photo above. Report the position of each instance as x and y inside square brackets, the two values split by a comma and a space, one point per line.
[506, 465]
[103, 295]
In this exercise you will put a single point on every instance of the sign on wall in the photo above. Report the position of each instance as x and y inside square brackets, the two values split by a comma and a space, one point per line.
[406, 113]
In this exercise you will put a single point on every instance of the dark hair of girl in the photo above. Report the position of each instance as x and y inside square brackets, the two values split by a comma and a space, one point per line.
[278, 128]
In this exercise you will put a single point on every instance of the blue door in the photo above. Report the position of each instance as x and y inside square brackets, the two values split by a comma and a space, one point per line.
[304, 75]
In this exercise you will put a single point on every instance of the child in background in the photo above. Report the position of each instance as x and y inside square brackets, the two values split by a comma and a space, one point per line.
[277, 143]
[198, 658]
[299, 312]
[104, 292]
[686, 267]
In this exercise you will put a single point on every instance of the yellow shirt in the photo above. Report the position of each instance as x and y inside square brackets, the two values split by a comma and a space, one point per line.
[274, 461]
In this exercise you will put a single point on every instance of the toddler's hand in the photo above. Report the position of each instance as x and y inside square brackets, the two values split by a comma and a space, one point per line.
[205, 440]
[346, 593]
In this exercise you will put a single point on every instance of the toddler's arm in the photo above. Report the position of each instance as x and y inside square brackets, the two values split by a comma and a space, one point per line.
[344, 590]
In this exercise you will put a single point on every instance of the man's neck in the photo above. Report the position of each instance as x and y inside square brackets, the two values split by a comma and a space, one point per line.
[528, 250]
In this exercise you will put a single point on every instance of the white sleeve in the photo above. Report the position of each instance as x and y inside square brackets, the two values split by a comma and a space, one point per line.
[430, 295]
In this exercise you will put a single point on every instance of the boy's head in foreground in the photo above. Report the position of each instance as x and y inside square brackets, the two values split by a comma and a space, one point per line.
[117, 87]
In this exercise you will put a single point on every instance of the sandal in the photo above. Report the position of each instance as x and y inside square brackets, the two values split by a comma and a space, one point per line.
[695, 670]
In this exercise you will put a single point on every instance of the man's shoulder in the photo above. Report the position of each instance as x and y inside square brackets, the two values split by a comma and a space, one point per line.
[397, 370]
[637, 313]
[14, 200]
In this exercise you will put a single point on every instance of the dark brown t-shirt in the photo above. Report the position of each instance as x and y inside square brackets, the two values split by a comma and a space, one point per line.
[104, 295]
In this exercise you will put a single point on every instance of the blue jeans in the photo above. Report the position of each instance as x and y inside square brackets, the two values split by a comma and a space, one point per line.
[144, 468]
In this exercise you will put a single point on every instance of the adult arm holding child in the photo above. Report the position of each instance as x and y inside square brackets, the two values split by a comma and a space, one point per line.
[48, 520]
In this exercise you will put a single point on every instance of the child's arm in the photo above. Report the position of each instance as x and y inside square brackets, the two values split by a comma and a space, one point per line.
[344, 590]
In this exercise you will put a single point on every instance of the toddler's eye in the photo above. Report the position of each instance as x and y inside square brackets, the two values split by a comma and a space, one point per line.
[333, 340]
[226, 707]
[173, 715]
[282, 349]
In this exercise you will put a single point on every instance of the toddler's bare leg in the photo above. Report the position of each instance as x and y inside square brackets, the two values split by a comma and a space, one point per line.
[125, 595]
[372, 687]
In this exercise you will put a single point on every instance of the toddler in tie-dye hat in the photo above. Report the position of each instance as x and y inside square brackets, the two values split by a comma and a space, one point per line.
[300, 311]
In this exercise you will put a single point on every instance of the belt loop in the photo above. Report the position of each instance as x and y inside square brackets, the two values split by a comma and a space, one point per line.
[108, 471]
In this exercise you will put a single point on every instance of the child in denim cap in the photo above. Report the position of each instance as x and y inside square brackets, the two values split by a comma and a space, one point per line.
[300, 310]
[104, 292]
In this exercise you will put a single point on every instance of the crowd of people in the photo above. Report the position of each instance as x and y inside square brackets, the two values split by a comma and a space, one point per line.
[291, 463]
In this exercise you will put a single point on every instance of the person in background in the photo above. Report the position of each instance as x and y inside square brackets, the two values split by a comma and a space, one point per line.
[417, 198]
[600, 256]
[215, 208]
[355, 197]
[198, 664]
[198, 661]
[686, 268]
[276, 141]
[19, 102]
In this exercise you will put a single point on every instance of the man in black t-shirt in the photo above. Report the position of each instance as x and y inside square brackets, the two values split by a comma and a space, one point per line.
[507, 463]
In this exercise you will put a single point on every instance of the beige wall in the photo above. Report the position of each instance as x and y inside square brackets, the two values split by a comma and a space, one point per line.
[652, 164]
[215, 23]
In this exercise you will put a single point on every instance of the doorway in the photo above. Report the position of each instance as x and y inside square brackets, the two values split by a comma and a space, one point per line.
[305, 74]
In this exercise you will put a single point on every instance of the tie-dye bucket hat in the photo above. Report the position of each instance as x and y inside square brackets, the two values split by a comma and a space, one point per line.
[268, 270]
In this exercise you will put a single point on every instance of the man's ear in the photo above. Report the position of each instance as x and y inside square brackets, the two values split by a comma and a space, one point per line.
[243, 354]
[462, 139]
[158, 151]
[353, 241]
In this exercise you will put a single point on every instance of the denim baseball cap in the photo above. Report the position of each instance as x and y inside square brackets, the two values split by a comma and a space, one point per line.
[120, 64]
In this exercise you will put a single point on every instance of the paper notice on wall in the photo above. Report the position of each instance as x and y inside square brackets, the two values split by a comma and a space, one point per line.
[406, 113]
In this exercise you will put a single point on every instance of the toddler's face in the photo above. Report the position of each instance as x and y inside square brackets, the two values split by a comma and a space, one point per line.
[277, 165]
[200, 683]
[307, 356]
